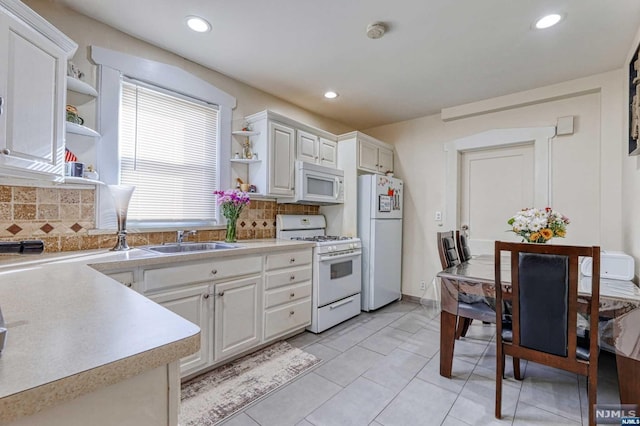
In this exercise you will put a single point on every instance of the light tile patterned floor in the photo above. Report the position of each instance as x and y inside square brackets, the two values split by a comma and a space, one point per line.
[382, 368]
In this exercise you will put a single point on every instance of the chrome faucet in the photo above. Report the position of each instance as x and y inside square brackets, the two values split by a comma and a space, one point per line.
[182, 234]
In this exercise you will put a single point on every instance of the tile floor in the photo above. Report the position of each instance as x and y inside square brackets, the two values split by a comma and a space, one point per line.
[382, 368]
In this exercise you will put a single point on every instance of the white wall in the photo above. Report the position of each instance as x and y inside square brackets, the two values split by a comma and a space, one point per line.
[586, 166]
[630, 181]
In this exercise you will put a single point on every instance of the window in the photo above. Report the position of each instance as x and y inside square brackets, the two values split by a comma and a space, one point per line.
[165, 131]
[168, 150]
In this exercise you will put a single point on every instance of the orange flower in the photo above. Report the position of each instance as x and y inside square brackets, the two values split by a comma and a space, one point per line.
[547, 233]
[534, 237]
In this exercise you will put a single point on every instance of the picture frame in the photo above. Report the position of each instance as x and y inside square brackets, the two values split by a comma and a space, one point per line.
[634, 104]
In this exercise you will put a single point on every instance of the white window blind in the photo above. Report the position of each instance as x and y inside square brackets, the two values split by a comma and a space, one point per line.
[168, 150]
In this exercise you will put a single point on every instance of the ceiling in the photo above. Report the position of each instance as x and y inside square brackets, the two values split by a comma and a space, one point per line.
[436, 53]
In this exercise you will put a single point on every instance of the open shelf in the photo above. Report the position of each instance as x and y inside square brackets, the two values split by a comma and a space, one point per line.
[246, 133]
[81, 130]
[82, 181]
[244, 160]
[80, 86]
[79, 92]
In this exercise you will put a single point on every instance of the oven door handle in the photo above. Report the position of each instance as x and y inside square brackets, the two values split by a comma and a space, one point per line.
[341, 303]
[340, 256]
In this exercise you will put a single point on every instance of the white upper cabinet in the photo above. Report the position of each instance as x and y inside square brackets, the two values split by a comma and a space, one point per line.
[307, 147]
[33, 63]
[278, 141]
[328, 153]
[373, 157]
[385, 160]
[316, 149]
[281, 159]
[274, 145]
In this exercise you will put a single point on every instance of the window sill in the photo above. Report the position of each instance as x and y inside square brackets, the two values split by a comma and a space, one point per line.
[134, 230]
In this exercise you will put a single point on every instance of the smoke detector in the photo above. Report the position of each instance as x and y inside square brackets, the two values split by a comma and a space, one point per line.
[376, 30]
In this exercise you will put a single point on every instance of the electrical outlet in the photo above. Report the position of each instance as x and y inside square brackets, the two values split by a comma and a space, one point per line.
[423, 286]
[438, 216]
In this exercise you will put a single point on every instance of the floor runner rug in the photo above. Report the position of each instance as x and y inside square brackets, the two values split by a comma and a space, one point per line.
[210, 398]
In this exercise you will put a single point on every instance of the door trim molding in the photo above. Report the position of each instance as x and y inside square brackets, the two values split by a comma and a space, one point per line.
[539, 136]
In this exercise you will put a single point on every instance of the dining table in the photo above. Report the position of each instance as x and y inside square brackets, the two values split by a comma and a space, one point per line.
[619, 315]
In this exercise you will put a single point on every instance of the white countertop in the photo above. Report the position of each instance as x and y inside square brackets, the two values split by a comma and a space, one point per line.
[72, 330]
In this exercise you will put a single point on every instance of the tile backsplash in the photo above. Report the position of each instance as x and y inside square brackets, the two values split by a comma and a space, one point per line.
[63, 217]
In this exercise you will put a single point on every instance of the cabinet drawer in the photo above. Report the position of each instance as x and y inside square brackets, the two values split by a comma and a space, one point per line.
[287, 294]
[174, 276]
[236, 267]
[287, 318]
[287, 277]
[290, 258]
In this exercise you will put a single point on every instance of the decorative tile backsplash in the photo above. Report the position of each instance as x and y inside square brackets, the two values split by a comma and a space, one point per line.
[62, 218]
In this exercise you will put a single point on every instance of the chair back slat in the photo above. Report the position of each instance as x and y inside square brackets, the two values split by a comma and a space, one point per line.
[543, 284]
[447, 250]
[464, 252]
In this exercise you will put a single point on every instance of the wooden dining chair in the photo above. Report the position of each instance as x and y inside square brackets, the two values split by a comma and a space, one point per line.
[469, 307]
[543, 327]
[462, 242]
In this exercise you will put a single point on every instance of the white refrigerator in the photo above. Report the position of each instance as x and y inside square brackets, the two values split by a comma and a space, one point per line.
[380, 229]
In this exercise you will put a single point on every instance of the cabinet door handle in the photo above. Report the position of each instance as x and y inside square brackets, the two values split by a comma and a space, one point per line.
[292, 295]
[6, 151]
[292, 260]
[215, 271]
[292, 312]
[221, 293]
[292, 277]
[205, 296]
[1, 104]
[128, 284]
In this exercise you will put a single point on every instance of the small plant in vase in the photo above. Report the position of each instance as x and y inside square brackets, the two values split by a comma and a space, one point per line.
[232, 202]
[539, 225]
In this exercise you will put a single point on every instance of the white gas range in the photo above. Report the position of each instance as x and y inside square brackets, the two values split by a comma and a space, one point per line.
[337, 275]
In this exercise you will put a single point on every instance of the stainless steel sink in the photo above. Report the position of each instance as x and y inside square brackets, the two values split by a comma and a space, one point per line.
[188, 247]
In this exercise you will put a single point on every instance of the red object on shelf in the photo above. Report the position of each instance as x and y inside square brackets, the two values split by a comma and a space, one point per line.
[69, 157]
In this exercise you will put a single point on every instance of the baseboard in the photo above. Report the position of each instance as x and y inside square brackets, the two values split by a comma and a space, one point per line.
[429, 303]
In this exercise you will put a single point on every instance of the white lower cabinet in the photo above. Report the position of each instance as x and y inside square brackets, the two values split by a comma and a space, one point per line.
[239, 302]
[238, 324]
[287, 296]
[193, 304]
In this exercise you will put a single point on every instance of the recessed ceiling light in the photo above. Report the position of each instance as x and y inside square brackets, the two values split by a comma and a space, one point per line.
[547, 21]
[330, 95]
[198, 24]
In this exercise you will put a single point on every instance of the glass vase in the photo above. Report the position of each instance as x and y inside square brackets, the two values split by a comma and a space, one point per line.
[121, 196]
[231, 236]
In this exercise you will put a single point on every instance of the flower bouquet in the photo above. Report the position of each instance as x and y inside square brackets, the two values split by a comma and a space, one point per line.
[232, 202]
[539, 225]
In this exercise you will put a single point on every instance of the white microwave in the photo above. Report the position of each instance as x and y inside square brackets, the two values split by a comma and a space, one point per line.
[315, 184]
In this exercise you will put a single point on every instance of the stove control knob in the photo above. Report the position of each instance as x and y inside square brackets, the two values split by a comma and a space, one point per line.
[352, 246]
[335, 248]
[329, 249]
